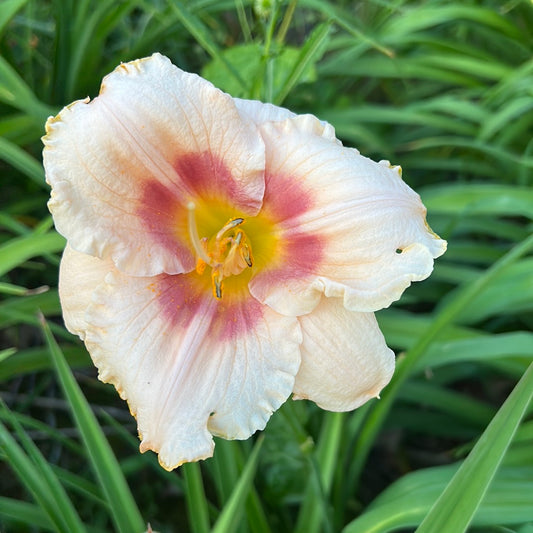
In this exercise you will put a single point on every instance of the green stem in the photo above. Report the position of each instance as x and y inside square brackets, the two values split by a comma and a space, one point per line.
[315, 513]
[196, 500]
[265, 72]
[282, 32]
[243, 21]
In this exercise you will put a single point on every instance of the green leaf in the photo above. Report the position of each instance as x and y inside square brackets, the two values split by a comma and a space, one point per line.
[454, 510]
[225, 468]
[52, 434]
[9, 288]
[460, 407]
[404, 504]
[246, 59]
[37, 359]
[420, 17]
[416, 114]
[16, 251]
[231, 515]
[308, 56]
[483, 348]
[352, 24]
[124, 511]
[314, 513]
[503, 156]
[8, 352]
[38, 477]
[515, 281]
[505, 116]
[17, 309]
[88, 35]
[196, 500]
[479, 199]
[25, 513]
[196, 28]
[22, 161]
[446, 316]
[15, 92]
[8, 11]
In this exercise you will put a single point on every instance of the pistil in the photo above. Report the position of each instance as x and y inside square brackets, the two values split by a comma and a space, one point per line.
[193, 234]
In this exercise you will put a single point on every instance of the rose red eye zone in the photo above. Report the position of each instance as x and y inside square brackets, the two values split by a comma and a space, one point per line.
[182, 298]
[209, 179]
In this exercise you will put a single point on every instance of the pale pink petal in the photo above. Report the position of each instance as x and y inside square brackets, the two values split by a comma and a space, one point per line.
[79, 275]
[260, 113]
[124, 166]
[189, 365]
[349, 227]
[345, 361]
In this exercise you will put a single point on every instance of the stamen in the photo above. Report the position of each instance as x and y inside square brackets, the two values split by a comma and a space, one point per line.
[246, 255]
[193, 234]
[244, 249]
[216, 278]
[200, 265]
[233, 223]
[228, 253]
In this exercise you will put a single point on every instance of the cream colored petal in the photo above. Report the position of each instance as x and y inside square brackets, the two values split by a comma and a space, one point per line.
[345, 361]
[79, 275]
[260, 113]
[189, 365]
[350, 227]
[124, 166]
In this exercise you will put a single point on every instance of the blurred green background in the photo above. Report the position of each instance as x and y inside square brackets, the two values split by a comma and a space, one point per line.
[443, 88]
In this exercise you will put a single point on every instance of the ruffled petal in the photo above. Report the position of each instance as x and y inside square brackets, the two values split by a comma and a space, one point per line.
[351, 227]
[189, 365]
[79, 275]
[124, 166]
[345, 361]
[260, 113]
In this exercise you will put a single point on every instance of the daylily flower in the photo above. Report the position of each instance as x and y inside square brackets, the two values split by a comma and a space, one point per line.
[223, 254]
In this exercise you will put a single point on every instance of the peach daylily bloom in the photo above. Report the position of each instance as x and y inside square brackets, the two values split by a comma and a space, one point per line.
[223, 254]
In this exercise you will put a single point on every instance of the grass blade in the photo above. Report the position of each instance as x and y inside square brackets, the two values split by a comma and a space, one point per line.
[196, 500]
[18, 250]
[25, 513]
[454, 510]
[8, 11]
[445, 317]
[314, 512]
[23, 161]
[38, 477]
[405, 503]
[195, 27]
[311, 52]
[15, 92]
[124, 511]
[231, 515]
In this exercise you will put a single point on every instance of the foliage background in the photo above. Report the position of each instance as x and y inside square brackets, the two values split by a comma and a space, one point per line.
[444, 88]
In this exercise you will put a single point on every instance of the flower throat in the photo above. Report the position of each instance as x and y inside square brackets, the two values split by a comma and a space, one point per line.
[228, 253]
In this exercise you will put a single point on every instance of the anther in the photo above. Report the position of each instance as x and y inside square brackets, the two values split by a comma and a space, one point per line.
[217, 283]
[228, 253]
[246, 255]
[233, 223]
